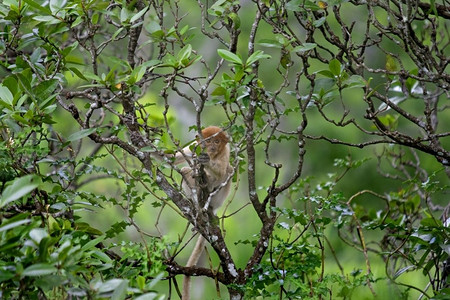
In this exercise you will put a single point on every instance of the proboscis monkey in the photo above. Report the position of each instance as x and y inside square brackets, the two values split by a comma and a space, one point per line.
[215, 159]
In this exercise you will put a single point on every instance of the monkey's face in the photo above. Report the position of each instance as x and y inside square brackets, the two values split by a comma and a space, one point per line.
[214, 147]
[214, 141]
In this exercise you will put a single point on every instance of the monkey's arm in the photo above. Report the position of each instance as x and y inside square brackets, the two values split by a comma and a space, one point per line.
[177, 158]
[182, 156]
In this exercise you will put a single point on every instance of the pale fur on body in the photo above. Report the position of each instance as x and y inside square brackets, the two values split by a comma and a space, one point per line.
[217, 168]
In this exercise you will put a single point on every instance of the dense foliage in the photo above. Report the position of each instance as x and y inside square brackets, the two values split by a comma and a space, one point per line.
[339, 118]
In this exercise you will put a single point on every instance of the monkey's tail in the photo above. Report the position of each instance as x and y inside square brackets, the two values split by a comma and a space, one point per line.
[192, 261]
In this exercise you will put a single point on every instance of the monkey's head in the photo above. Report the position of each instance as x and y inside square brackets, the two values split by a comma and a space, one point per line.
[214, 140]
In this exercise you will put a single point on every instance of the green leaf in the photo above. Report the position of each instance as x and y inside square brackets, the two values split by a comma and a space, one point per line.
[391, 63]
[219, 91]
[431, 222]
[270, 43]
[319, 22]
[39, 270]
[92, 76]
[102, 256]
[184, 29]
[94, 18]
[294, 5]
[155, 280]
[49, 20]
[229, 56]
[433, 7]
[81, 134]
[326, 73]
[37, 234]
[305, 47]
[235, 19]
[125, 14]
[50, 282]
[151, 64]
[139, 14]
[355, 81]
[18, 188]
[38, 6]
[26, 85]
[46, 88]
[14, 225]
[6, 275]
[428, 266]
[21, 100]
[257, 55]
[120, 292]
[83, 226]
[184, 53]
[78, 73]
[11, 83]
[147, 296]
[140, 280]
[335, 67]
[216, 8]
[136, 75]
[57, 5]
[77, 22]
[111, 285]
[390, 121]
[116, 33]
[91, 244]
[325, 84]
[6, 96]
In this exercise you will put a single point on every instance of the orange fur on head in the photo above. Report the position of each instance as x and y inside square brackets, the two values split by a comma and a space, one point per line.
[212, 130]
[215, 140]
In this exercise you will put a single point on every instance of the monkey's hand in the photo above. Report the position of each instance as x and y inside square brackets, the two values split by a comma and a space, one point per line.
[203, 158]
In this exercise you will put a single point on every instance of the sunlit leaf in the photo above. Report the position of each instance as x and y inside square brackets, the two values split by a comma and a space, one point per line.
[120, 292]
[49, 20]
[14, 225]
[125, 14]
[18, 188]
[391, 64]
[57, 5]
[39, 270]
[6, 97]
[229, 56]
[219, 91]
[37, 234]
[38, 6]
[110, 285]
[184, 53]
[139, 14]
[322, 5]
[78, 73]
